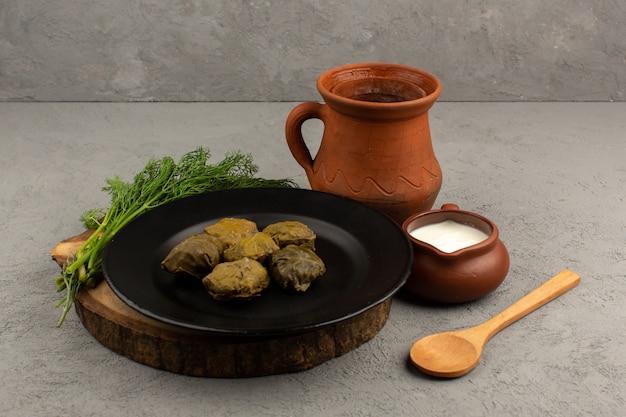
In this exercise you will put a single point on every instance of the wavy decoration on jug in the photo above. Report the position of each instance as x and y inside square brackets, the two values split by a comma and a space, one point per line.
[340, 175]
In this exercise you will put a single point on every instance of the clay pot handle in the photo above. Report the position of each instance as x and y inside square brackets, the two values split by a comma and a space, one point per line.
[293, 131]
[449, 206]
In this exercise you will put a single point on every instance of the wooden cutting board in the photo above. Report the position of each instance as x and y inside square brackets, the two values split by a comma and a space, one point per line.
[176, 349]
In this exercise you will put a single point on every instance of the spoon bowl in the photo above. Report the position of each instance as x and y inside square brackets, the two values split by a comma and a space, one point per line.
[454, 354]
[462, 355]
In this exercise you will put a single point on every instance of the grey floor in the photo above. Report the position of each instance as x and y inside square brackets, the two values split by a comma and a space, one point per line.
[552, 176]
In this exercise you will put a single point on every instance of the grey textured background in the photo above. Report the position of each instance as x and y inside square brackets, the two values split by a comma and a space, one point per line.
[552, 176]
[193, 50]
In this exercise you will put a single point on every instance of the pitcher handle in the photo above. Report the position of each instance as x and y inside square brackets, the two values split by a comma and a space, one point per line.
[293, 132]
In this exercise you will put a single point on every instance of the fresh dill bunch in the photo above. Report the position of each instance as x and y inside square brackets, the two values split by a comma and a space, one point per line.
[161, 181]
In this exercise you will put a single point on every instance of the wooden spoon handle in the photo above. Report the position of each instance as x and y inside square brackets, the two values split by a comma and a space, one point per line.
[551, 289]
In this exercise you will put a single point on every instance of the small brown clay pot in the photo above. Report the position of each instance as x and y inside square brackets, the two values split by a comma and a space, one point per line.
[463, 275]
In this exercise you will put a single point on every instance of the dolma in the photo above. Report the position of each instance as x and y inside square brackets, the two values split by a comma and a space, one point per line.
[241, 279]
[295, 267]
[195, 255]
[230, 230]
[258, 247]
[291, 233]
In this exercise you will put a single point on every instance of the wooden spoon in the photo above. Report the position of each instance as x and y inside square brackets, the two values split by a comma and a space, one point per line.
[454, 354]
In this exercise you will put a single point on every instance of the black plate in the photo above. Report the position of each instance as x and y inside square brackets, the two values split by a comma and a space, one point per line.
[367, 256]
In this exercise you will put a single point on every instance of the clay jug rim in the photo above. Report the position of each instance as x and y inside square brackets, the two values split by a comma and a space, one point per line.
[328, 82]
[444, 214]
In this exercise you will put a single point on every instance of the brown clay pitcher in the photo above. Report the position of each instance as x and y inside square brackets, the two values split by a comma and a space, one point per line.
[376, 147]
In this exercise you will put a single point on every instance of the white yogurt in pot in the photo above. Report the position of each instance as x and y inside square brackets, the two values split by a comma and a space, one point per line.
[449, 236]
